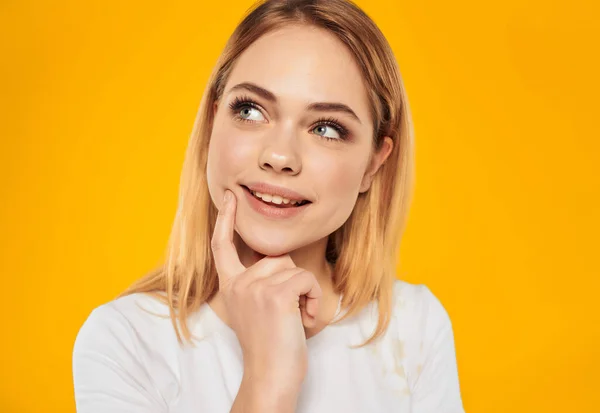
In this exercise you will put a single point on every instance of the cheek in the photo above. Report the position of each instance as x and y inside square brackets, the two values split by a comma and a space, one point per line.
[228, 156]
[337, 182]
[338, 176]
[230, 153]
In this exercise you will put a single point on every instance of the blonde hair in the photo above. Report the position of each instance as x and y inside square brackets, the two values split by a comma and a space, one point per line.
[364, 249]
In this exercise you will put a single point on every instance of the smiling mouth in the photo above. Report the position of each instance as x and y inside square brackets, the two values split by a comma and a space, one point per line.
[276, 201]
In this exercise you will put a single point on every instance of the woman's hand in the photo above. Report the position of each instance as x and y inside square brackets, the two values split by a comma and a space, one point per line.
[263, 305]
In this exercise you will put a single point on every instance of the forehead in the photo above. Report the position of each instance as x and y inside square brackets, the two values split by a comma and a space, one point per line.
[303, 64]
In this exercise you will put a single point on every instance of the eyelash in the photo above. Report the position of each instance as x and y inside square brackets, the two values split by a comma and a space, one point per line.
[239, 102]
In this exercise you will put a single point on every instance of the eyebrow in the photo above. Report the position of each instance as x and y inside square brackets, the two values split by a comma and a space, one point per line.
[316, 106]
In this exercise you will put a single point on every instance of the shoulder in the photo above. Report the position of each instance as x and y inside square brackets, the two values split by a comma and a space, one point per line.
[138, 309]
[425, 337]
[417, 304]
[122, 323]
[419, 317]
[121, 356]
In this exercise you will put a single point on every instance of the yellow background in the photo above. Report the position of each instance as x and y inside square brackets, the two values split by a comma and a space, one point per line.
[97, 100]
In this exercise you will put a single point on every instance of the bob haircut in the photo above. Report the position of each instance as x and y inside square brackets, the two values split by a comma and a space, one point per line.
[364, 249]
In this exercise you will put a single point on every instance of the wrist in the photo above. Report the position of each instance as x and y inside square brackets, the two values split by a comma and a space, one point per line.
[270, 390]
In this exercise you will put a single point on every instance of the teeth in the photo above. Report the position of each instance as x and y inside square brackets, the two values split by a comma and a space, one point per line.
[276, 199]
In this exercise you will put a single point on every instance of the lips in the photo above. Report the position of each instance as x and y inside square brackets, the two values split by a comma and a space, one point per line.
[282, 191]
[282, 204]
[273, 211]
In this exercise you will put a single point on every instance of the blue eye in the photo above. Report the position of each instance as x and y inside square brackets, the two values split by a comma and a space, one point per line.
[323, 123]
[243, 107]
[246, 112]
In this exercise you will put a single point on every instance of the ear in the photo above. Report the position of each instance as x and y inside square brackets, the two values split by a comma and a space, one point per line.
[377, 160]
[215, 107]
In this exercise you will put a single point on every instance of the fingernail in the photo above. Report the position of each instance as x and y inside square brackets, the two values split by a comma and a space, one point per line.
[227, 196]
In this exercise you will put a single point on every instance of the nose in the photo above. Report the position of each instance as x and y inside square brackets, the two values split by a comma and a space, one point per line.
[280, 153]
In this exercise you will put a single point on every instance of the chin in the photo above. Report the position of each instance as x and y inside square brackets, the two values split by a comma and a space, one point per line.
[268, 244]
[270, 248]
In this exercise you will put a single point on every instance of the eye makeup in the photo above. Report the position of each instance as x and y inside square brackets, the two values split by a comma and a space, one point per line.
[241, 102]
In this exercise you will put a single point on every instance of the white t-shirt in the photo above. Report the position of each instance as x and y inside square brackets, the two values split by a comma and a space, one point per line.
[126, 360]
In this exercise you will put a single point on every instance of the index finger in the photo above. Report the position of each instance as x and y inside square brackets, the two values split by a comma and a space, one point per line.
[227, 261]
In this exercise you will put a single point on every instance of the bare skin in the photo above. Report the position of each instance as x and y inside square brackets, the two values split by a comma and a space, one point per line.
[263, 302]
[279, 140]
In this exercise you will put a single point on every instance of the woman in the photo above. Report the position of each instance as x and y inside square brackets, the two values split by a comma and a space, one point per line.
[278, 292]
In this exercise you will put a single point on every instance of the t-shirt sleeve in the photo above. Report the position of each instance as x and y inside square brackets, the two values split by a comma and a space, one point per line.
[108, 374]
[436, 386]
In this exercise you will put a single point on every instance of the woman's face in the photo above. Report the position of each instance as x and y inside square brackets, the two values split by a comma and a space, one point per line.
[294, 114]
